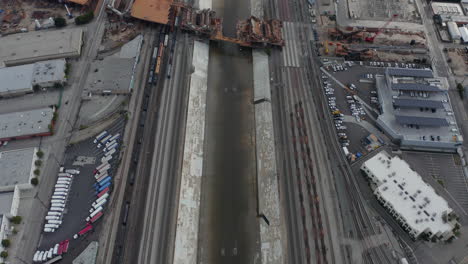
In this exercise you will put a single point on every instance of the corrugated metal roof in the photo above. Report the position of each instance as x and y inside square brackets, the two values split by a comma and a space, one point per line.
[410, 72]
[421, 121]
[464, 33]
[416, 87]
[415, 103]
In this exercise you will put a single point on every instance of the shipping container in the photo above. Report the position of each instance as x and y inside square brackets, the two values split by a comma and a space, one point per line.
[103, 192]
[100, 136]
[104, 186]
[110, 152]
[57, 209]
[104, 140]
[106, 158]
[100, 204]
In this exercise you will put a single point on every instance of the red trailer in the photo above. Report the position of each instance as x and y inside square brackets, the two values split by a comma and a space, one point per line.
[103, 192]
[85, 230]
[96, 217]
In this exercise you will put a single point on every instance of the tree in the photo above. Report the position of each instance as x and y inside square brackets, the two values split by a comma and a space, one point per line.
[37, 172]
[461, 90]
[38, 163]
[34, 181]
[4, 254]
[60, 22]
[36, 87]
[40, 154]
[85, 18]
[5, 243]
[58, 85]
[16, 219]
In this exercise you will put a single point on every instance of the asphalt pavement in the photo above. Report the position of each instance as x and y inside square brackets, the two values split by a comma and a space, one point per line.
[55, 145]
[82, 193]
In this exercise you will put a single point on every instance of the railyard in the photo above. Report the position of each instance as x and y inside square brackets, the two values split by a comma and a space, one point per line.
[245, 127]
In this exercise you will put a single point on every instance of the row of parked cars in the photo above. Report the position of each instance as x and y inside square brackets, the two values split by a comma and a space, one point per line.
[394, 64]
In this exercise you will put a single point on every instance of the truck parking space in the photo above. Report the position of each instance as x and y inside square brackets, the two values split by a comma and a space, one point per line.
[80, 204]
[441, 170]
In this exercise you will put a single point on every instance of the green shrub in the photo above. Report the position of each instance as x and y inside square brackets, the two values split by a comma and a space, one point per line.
[16, 219]
[461, 90]
[4, 254]
[84, 19]
[38, 163]
[6, 243]
[40, 154]
[34, 181]
[37, 171]
[60, 22]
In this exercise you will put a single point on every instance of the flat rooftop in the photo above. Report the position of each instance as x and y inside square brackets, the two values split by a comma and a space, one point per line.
[49, 71]
[152, 10]
[16, 79]
[23, 48]
[408, 194]
[6, 199]
[417, 117]
[16, 167]
[27, 123]
[440, 8]
[21, 78]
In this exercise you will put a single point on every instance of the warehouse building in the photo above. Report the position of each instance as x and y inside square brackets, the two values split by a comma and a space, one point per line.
[32, 123]
[19, 80]
[25, 48]
[413, 203]
[17, 168]
[415, 110]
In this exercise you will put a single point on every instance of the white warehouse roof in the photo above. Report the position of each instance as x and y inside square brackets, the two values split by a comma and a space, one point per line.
[16, 80]
[463, 33]
[21, 79]
[453, 30]
[24, 48]
[408, 194]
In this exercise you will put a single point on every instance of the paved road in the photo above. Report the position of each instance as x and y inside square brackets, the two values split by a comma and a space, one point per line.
[55, 145]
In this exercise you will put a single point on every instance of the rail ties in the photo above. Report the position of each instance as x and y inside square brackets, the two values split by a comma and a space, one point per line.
[310, 177]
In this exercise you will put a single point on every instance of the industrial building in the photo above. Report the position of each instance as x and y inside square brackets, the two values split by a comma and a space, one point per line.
[439, 8]
[20, 125]
[463, 34]
[19, 80]
[453, 31]
[415, 110]
[17, 168]
[39, 46]
[412, 202]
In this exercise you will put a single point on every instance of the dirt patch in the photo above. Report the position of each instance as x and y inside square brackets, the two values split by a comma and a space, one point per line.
[458, 61]
[21, 14]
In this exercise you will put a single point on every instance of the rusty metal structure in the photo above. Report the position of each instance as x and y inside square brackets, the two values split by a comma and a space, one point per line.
[258, 31]
[253, 32]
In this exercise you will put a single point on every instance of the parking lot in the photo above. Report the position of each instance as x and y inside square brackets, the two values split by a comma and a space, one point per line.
[442, 170]
[345, 85]
[85, 157]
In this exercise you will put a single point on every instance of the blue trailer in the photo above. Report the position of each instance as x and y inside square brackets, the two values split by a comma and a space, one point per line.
[104, 186]
[104, 182]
